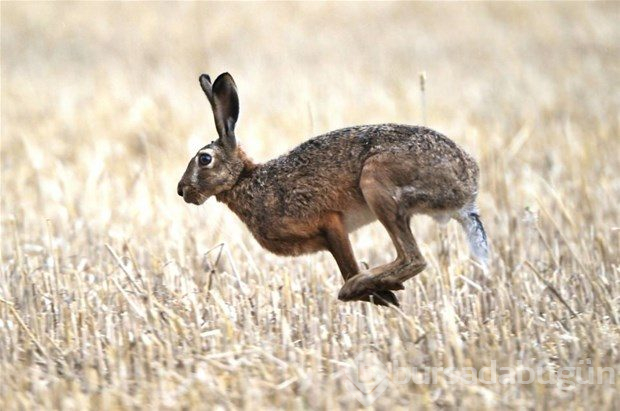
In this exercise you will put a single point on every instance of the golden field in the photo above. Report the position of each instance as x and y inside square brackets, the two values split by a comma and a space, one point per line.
[115, 294]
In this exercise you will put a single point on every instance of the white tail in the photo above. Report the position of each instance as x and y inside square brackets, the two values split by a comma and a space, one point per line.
[469, 219]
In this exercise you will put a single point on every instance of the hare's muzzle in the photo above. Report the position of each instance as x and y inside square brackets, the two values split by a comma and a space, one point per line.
[189, 194]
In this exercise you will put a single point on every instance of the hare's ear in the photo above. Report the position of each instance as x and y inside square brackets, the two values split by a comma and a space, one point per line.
[222, 95]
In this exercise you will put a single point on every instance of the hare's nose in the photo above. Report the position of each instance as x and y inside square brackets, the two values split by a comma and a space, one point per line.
[180, 189]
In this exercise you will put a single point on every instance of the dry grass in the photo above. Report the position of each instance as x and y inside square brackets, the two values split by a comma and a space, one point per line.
[112, 294]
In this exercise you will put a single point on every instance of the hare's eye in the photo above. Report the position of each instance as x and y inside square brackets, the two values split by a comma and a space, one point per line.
[205, 159]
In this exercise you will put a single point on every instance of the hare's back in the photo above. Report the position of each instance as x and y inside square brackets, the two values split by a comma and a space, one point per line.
[348, 149]
[324, 172]
[355, 144]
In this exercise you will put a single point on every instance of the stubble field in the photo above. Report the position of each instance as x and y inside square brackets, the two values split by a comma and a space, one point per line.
[115, 294]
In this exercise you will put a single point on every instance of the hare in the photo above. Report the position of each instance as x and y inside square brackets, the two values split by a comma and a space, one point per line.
[311, 198]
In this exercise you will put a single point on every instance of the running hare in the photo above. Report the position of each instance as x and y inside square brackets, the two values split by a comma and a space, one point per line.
[311, 198]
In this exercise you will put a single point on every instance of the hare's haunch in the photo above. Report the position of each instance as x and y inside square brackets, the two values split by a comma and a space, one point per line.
[311, 198]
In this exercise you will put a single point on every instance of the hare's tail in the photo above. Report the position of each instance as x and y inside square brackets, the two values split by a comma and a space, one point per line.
[469, 219]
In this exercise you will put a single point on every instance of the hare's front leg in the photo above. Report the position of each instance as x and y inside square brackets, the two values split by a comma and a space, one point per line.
[339, 245]
[379, 184]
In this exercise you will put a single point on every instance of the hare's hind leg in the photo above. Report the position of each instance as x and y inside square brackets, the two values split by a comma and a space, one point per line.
[339, 246]
[382, 196]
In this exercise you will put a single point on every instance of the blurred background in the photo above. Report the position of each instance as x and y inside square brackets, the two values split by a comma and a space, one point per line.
[101, 110]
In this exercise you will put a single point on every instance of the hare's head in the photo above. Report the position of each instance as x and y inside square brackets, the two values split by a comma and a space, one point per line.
[217, 166]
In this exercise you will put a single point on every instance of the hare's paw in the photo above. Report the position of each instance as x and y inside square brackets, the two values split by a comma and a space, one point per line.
[385, 298]
[355, 288]
[364, 284]
[381, 297]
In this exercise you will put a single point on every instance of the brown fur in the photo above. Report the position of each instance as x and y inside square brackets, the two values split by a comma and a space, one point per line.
[311, 198]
